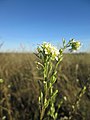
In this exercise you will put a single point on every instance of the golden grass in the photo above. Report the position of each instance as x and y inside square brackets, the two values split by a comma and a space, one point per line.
[19, 73]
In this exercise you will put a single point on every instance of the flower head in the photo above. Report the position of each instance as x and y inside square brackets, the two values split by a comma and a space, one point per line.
[75, 45]
[49, 50]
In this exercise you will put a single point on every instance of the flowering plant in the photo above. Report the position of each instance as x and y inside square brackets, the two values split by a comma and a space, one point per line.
[49, 55]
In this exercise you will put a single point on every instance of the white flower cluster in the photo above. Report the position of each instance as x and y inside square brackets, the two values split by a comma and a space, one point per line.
[49, 50]
[75, 45]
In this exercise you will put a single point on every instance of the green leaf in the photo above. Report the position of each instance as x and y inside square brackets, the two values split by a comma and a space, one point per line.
[52, 99]
[64, 42]
[55, 116]
[60, 103]
[53, 78]
[46, 103]
[41, 98]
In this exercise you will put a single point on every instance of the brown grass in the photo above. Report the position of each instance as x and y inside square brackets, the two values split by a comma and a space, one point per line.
[19, 72]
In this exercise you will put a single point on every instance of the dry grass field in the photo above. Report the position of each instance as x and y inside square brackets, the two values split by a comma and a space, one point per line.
[20, 90]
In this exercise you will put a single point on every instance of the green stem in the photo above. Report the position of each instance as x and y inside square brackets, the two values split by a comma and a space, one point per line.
[44, 91]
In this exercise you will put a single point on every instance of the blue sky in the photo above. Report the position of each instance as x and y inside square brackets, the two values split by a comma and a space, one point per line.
[30, 22]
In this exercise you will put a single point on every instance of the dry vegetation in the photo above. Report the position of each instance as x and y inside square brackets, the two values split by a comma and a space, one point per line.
[20, 90]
